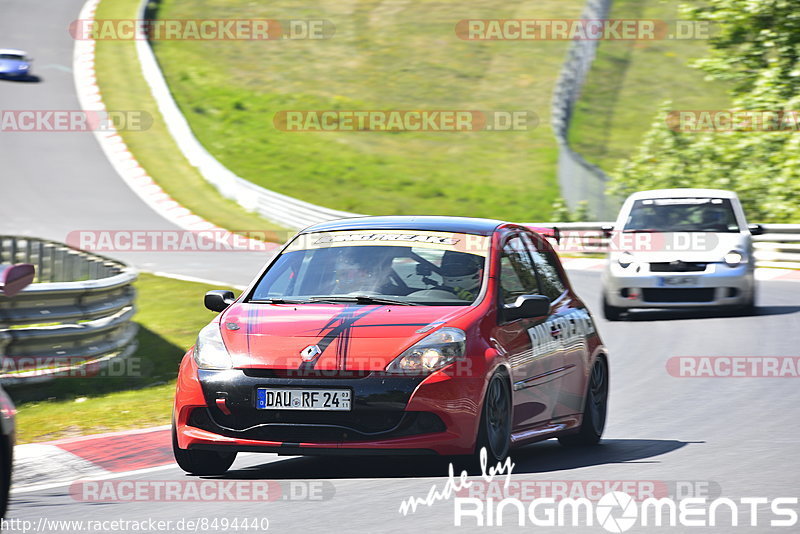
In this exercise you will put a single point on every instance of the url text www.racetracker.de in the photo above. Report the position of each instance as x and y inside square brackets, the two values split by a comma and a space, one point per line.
[186, 524]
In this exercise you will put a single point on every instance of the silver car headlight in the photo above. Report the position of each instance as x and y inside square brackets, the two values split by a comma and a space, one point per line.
[210, 351]
[733, 258]
[625, 259]
[433, 352]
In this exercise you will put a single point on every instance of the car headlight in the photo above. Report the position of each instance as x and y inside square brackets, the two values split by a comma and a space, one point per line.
[625, 259]
[210, 351]
[433, 352]
[733, 258]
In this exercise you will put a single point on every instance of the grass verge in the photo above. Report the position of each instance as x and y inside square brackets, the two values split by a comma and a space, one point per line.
[124, 88]
[383, 56]
[170, 314]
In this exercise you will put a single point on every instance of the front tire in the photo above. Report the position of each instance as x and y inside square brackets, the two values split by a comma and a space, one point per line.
[611, 313]
[594, 410]
[749, 307]
[494, 433]
[201, 462]
[6, 465]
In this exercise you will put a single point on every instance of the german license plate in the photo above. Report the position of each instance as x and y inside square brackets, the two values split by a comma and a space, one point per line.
[669, 281]
[303, 399]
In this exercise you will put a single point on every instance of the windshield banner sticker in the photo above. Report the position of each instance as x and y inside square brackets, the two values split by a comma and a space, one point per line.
[473, 244]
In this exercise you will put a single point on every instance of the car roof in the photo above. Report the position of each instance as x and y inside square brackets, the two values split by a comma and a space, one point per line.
[12, 51]
[465, 225]
[683, 192]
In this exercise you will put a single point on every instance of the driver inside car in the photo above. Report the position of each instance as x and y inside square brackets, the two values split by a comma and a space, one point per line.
[360, 270]
[461, 274]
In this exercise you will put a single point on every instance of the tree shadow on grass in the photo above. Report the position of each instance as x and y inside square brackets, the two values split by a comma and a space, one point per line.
[154, 362]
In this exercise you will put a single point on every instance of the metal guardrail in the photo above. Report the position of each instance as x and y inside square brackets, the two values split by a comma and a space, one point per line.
[76, 313]
[281, 209]
[778, 246]
[578, 179]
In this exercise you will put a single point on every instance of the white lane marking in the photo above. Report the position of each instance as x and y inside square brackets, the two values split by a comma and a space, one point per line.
[54, 66]
[89, 476]
[37, 462]
[107, 475]
[117, 152]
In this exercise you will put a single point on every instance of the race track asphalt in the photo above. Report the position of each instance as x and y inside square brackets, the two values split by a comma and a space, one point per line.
[54, 183]
[737, 436]
[729, 437]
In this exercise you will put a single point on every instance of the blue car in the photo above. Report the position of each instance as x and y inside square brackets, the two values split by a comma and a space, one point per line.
[14, 63]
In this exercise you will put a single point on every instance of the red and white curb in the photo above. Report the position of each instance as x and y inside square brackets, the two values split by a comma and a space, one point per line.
[117, 152]
[42, 466]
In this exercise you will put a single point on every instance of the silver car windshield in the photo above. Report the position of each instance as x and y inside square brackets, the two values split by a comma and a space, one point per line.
[682, 215]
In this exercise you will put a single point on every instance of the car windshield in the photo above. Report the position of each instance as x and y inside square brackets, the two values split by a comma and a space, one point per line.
[681, 215]
[386, 267]
[13, 57]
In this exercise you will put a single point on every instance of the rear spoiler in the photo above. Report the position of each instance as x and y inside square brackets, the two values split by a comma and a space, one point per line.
[552, 233]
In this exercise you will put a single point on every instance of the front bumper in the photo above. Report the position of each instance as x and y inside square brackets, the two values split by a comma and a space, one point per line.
[716, 285]
[15, 74]
[390, 414]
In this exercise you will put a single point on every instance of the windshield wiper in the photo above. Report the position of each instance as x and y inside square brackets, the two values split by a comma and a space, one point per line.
[362, 299]
[277, 300]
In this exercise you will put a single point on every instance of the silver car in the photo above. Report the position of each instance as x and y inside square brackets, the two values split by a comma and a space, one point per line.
[679, 248]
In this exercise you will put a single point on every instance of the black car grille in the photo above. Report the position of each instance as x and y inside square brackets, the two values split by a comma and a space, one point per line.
[311, 427]
[305, 373]
[677, 267]
[705, 294]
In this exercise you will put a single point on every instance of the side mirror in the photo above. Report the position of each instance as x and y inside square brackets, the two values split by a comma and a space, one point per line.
[218, 299]
[527, 306]
[755, 229]
[608, 230]
[15, 278]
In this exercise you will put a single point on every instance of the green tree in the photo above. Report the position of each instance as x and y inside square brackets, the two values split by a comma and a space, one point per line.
[756, 48]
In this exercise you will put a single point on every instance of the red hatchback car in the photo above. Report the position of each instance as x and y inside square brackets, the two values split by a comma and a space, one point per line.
[394, 335]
